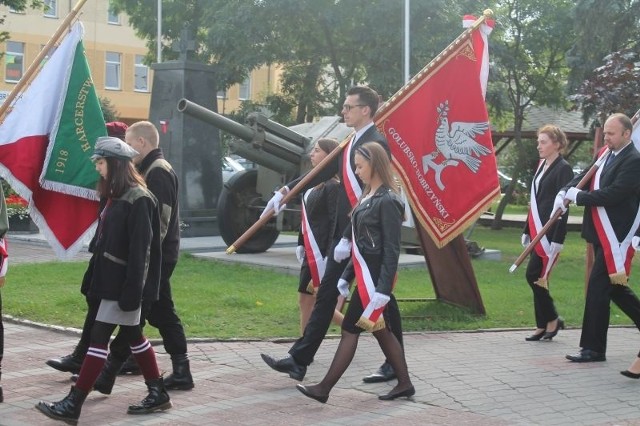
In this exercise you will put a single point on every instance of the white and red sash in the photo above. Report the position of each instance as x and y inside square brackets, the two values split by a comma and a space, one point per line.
[617, 255]
[371, 319]
[543, 247]
[316, 262]
[349, 178]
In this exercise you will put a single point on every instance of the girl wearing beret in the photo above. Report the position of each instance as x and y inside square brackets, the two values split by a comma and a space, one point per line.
[123, 270]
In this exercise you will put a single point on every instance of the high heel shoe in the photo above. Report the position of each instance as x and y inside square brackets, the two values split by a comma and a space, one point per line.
[630, 375]
[549, 335]
[306, 390]
[393, 395]
[535, 336]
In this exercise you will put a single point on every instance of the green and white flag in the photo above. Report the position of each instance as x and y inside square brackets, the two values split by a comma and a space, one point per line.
[79, 122]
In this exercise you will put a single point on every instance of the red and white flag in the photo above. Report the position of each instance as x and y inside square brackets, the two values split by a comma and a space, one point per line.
[438, 131]
[39, 117]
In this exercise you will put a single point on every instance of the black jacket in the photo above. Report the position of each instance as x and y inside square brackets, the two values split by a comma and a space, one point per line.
[162, 181]
[557, 175]
[618, 194]
[377, 223]
[321, 214]
[125, 265]
[335, 167]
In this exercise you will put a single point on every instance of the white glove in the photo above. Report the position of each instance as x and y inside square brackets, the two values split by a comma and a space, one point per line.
[556, 248]
[342, 250]
[525, 240]
[572, 194]
[379, 300]
[274, 202]
[558, 203]
[300, 254]
[343, 287]
[635, 243]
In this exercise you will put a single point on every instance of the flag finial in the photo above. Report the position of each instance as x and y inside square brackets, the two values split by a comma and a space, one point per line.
[488, 13]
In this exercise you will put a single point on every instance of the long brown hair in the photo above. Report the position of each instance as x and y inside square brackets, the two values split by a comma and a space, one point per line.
[121, 176]
[378, 158]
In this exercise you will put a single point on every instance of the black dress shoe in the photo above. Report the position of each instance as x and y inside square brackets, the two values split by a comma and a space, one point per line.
[402, 394]
[549, 335]
[286, 365]
[307, 392]
[384, 374]
[587, 355]
[535, 337]
[630, 375]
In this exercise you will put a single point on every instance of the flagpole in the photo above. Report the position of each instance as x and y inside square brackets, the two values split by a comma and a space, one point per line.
[487, 14]
[556, 215]
[35, 65]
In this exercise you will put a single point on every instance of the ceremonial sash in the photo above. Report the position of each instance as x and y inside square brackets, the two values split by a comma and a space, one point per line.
[543, 247]
[3, 260]
[617, 255]
[349, 178]
[371, 320]
[316, 262]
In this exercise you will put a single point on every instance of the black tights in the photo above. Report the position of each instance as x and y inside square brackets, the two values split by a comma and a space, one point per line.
[347, 349]
[101, 333]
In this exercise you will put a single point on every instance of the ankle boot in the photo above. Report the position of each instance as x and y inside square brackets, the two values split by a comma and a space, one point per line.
[157, 400]
[181, 378]
[130, 366]
[72, 362]
[107, 378]
[67, 410]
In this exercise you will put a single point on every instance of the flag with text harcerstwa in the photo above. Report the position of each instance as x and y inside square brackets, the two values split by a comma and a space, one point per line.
[440, 138]
[46, 141]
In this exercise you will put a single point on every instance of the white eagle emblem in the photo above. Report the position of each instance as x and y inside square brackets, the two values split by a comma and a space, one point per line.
[456, 142]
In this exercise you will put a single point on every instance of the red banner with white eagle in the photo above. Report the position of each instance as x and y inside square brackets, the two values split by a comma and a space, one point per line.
[438, 131]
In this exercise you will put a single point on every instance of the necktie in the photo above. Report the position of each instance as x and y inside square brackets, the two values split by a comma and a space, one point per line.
[609, 161]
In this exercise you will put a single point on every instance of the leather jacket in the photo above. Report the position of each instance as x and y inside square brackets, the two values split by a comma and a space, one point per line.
[377, 223]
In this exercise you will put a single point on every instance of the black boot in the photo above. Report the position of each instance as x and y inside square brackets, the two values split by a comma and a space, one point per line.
[67, 410]
[130, 366]
[107, 378]
[71, 362]
[181, 378]
[157, 400]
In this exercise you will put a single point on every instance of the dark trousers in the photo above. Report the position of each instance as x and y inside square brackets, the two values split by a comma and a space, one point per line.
[543, 306]
[161, 315]
[305, 348]
[89, 320]
[600, 292]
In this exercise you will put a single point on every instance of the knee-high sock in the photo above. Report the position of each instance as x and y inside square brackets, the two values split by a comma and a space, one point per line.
[91, 367]
[146, 359]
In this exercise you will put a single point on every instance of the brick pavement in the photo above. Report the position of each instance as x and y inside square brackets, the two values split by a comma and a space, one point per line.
[476, 378]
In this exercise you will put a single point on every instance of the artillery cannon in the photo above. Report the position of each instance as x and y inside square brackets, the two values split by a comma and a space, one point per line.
[281, 154]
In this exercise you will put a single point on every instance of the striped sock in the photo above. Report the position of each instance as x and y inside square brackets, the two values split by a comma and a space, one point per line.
[91, 367]
[146, 359]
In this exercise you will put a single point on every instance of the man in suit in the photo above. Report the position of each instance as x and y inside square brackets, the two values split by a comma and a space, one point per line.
[358, 110]
[611, 218]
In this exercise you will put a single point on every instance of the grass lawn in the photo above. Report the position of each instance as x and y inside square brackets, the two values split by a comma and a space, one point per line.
[231, 301]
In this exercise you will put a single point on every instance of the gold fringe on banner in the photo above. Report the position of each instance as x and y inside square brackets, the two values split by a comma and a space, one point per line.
[619, 278]
[542, 282]
[370, 326]
[310, 288]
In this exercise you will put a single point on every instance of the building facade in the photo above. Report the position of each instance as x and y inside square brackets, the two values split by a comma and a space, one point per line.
[115, 56]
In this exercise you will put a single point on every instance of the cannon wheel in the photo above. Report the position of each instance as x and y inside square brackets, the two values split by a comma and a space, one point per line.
[239, 207]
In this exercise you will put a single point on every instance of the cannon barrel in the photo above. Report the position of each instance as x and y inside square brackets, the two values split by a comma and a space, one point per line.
[281, 151]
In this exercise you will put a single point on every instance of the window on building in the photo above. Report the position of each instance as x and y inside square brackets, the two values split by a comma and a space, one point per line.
[245, 90]
[51, 8]
[222, 94]
[141, 75]
[113, 17]
[112, 71]
[14, 61]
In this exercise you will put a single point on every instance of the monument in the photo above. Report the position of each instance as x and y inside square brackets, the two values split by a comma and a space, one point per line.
[190, 145]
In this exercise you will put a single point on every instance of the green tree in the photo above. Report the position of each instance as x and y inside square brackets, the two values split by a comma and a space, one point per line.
[17, 5]
[529, 45]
